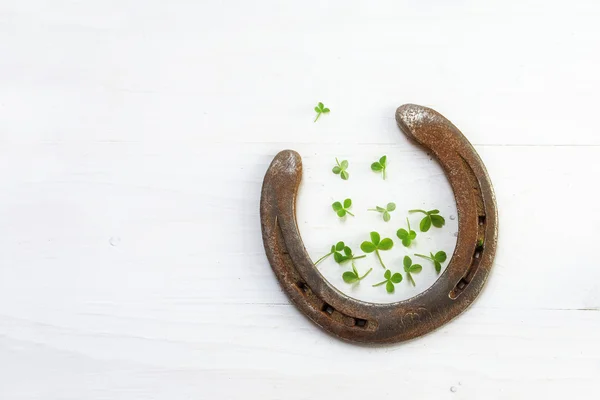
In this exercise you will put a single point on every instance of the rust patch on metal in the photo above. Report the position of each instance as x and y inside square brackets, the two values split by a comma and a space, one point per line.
[456, 288]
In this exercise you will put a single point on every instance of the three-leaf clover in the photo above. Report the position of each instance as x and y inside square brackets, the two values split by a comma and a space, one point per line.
[407, 236]
[410, 269]
[339, 246]
[385, 211]
[341, 256]
[379, 166]
[437, 259]
[342, 209]
[353, 276]
[320, 109]
[340, 169]
[431, 218]
[390, 280]
[377, 244]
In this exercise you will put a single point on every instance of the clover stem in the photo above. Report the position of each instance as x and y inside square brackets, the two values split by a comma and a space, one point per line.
[410, 278]
[421, 211]
[357, 257]
[336, 160]
[384, 173]
[380, 283]
[408, 222]
[318, 115]
[368, 272]
[322, 258]
[349, 213]
[380, 260]
[425, 257]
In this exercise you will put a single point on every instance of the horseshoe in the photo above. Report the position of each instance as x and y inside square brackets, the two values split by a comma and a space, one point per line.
[456, 288]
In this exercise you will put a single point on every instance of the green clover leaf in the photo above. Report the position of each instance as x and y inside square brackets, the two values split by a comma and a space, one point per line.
[431, 218]
[410, 269]
[406, 236]
[320, 109]
[385, 212]
[340, 169]
[390, 280]
[342, 209]
[376, 244]
[380, 166]
[437, 259]
[353, 276]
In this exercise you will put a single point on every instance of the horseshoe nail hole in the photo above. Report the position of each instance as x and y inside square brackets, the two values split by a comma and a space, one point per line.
[302, 286]
[481, 219]
[327, 308]
[361, 323]
[477, 253]
[462, 284]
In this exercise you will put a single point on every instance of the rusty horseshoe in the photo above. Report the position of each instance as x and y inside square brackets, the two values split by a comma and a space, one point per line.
[456, 288]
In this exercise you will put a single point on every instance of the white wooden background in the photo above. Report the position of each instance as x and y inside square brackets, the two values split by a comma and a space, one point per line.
[134, 136]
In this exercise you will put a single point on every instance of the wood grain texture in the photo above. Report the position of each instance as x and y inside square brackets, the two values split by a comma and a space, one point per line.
[134, 137]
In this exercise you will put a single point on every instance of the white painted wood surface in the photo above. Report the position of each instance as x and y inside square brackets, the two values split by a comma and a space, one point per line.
[134, 136]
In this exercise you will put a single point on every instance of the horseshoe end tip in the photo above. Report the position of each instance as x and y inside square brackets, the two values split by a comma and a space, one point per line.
[287, 161]
[411, 116]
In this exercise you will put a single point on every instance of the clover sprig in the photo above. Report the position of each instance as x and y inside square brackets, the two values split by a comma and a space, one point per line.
[385, 212]
[339, 246]
[431, 218]
[437, 259]
[390, 280]
[320, 109]
[380, 166]
[342, 209]
[344, 255]
[406, 236]
[340, 169]
[410, 269]
[376, 244]
[353, 276]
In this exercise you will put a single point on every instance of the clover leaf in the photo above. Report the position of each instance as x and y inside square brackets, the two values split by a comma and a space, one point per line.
[380, 166]
[353, 276]
[342, 209]
[390, 280]
[320, 109]
[377, 244]
[406, 236]
[410, 269]
[437, 259]
[385, 211]
[340, 169]
[431, 218]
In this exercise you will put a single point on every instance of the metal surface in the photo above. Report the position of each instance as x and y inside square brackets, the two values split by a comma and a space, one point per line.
[456, 288]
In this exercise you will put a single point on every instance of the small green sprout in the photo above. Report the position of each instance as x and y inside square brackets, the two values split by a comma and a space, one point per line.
[344, 255]
[385, 211]
[480, 243]
[407, 236]
[390, 280]
[320, 109]
[342, 209]
[410, 269]
[431, 218]
[380, 166]
[377, 244]
[353, 276]
[339, 246]
[437, 259]
[340, 169]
